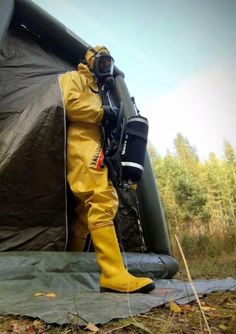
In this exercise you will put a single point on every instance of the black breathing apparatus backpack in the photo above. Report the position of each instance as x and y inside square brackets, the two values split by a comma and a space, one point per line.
[134, 148]
[125, 147]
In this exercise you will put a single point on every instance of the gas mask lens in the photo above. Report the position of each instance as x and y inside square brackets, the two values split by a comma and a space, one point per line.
[105, 65]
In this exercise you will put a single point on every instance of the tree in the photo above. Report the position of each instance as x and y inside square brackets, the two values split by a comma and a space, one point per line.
[196, 195]
[185, 153]
[229, 173]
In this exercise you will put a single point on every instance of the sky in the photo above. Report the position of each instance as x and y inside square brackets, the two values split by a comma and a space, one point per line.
[179, 60]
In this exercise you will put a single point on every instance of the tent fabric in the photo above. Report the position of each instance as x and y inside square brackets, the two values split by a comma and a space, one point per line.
[32, 194]
[32, 141]
[33, 203]
[27, 277]
[6, 11]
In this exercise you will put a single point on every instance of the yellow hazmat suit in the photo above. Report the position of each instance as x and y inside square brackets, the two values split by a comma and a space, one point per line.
[88, 178]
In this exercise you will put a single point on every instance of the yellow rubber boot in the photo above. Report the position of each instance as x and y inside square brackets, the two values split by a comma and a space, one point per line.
[114, 277]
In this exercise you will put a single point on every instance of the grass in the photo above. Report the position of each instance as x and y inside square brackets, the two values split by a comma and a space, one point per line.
[221, 267]
[208, 256]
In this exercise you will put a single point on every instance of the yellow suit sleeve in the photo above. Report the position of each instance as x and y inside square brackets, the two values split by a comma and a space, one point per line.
[81, 103]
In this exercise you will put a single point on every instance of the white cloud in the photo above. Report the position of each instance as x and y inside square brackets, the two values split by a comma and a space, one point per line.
[203, 109]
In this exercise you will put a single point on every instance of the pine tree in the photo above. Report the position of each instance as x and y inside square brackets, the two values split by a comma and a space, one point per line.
[229, 173]
[189, 189]
[200, 196]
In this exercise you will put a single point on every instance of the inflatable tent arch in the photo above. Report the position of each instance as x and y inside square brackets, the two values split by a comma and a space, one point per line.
[35, 48]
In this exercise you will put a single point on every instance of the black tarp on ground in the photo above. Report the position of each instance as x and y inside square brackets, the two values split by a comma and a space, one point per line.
[32, 145]
[27, 277]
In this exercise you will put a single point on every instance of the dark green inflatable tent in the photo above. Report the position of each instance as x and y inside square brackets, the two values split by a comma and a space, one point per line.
[36, 206]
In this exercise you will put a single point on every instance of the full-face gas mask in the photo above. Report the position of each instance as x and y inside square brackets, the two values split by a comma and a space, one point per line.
[101, 64]
[103, 69]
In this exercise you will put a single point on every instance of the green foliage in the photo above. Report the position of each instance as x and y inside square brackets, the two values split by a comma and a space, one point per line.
[202, 245]
[198, 196]
[193, 244]
[185, 153]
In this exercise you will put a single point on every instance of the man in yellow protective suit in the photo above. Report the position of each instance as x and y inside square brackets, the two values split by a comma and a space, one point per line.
[86, 173]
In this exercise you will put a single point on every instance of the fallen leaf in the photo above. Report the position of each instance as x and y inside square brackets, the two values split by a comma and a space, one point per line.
[28, 330]
[38, 294]
[16, 328]
[208, 308]
[38, 325]
[92, 328]
[174, 307]
[185, 308]
[223, 327]
[51, 295]
[214, 315]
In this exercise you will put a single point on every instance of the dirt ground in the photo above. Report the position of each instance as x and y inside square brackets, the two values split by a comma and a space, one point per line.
[219, 309]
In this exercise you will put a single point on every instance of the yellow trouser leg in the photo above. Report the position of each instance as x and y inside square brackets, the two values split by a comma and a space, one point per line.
[91, 186]
[114, 276]
[78, 237]
[79, 230]
[96, 196]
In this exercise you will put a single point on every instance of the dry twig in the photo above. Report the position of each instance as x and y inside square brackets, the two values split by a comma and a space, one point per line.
[191, 283]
